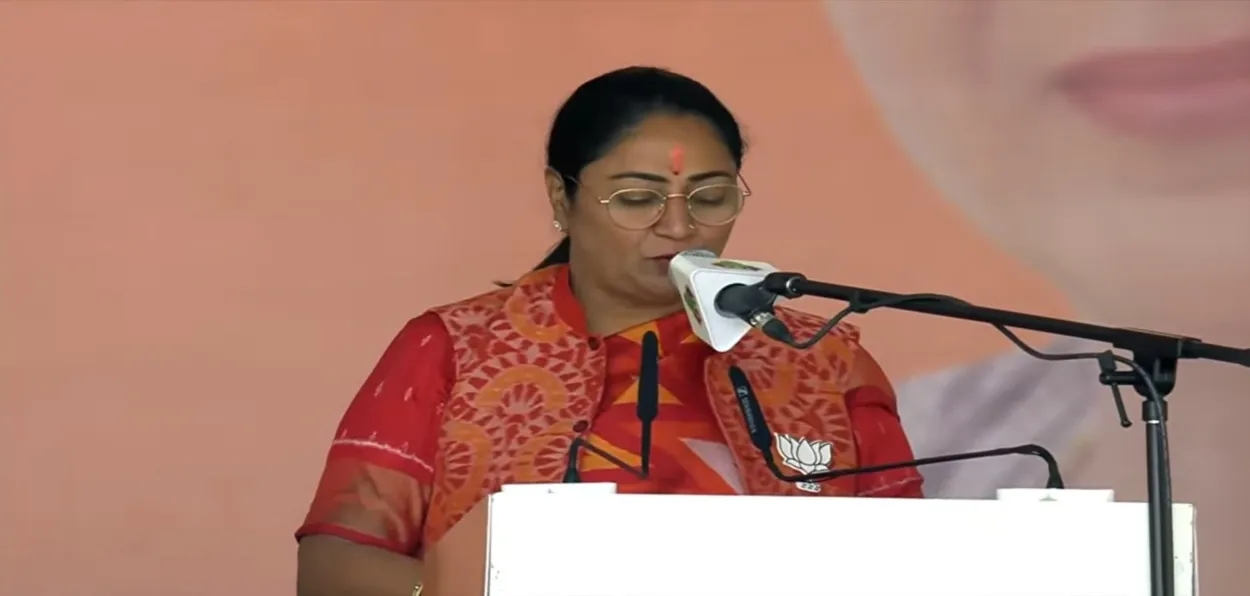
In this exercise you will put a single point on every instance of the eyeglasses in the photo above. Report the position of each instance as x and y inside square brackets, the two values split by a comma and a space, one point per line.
[711, 205]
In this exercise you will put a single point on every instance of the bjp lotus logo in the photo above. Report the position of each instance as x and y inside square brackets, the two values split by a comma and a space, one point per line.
[735, 265]
[691, 305]
[805, 457]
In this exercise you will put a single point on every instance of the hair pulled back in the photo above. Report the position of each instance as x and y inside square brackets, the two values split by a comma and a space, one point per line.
[605, 109]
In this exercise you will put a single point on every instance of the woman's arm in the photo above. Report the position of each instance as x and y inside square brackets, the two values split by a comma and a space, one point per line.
[331, 566]
[879, 435]
[363, 529]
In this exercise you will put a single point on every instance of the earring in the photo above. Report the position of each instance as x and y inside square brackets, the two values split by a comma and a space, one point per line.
[559, 228]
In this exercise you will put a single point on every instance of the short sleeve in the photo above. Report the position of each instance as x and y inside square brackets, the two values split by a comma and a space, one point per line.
[878, 431]
[375, 487]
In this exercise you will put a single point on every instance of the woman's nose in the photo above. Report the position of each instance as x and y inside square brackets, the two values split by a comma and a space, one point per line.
[676, 221]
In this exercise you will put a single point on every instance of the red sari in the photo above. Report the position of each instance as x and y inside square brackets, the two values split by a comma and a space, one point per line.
[493, 389]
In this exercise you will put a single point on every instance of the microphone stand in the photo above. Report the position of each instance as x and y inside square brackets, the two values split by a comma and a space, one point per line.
[1154, 359]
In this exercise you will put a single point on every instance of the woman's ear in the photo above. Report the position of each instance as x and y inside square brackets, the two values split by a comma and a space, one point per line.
[557, 195]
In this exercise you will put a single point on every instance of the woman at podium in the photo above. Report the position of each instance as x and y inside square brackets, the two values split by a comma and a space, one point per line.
[642, 163]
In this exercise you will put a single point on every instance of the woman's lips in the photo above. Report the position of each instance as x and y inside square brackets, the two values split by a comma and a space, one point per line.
[1167, 92]
[661, 263]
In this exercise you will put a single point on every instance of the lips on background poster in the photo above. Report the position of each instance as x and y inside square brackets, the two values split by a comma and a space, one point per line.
[1106, 144]
[214, 215]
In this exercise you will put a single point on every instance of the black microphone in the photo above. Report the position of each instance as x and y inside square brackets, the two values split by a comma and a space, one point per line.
[762, 438]
[648, 407]
[754, 305]
[648, 396]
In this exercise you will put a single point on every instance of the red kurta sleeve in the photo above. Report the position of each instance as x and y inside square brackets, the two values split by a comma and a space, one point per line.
[879, 436]
[376, 484]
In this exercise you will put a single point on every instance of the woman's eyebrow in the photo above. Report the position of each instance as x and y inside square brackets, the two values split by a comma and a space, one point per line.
[649, 177]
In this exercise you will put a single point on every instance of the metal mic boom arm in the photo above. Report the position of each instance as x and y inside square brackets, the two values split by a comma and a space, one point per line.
[1153, 375]
[1147, 345]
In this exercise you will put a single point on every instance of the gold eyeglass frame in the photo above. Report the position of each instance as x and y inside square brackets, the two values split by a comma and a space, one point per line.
[742, 186]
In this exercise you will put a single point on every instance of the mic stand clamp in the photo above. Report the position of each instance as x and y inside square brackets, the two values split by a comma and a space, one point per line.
[1154, 413]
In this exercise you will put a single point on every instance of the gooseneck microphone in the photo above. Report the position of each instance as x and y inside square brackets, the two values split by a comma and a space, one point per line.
[762, 438]
[648, 408]
[648, 396]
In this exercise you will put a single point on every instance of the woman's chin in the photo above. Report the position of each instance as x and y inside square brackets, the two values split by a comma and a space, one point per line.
[664, 293]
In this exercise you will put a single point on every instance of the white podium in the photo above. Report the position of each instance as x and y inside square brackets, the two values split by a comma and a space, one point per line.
[586, 540]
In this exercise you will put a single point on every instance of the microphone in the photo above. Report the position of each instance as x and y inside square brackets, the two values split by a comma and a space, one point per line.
[648, 396]
[722, 297]
[762, 438]
[648, 408]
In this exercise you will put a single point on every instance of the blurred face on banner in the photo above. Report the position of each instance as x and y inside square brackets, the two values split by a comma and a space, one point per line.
[1105, 142]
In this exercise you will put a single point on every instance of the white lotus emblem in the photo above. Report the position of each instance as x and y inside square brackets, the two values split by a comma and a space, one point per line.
[805, 457]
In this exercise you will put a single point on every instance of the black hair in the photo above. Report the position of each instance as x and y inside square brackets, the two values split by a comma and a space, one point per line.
[603, 111]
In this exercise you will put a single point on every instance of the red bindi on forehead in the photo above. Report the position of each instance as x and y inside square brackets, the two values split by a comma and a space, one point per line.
[676, 160]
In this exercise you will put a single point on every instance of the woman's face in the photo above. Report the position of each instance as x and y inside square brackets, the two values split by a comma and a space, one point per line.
[1107, 142]
[674, 155]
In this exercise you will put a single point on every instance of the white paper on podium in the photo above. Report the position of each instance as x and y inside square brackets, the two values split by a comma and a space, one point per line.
[578, 488]
[597, 544]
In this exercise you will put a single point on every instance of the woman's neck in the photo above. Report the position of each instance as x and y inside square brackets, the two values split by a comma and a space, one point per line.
[611, 325]
[609, 318]
[607, 315]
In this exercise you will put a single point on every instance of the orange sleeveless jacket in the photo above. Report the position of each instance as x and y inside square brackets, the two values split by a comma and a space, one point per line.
[492, 390]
